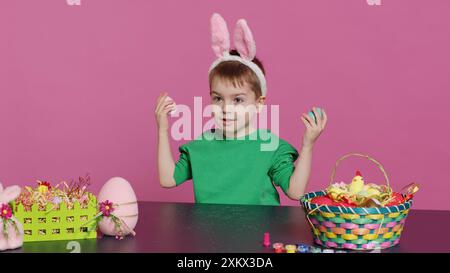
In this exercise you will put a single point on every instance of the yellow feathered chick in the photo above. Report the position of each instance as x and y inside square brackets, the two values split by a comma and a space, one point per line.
[357, 184]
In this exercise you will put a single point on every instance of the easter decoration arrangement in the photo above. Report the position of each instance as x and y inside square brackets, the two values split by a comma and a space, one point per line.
[56, 212]
[358, 215]
[66, 211]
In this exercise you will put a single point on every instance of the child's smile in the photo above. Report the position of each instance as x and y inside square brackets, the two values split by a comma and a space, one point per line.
[228, 122]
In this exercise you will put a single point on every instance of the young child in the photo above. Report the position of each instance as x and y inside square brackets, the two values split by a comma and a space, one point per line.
[227, 164]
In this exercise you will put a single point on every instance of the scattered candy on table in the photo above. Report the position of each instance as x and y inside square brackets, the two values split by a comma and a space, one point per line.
[302, 248]
[315, 249]
[278, 248]
[290, 248]
[266, 241]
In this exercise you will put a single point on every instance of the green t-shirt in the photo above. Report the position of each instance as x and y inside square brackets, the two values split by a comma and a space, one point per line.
[236, 171]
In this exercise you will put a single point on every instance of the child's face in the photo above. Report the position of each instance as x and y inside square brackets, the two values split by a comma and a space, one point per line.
[233, 107]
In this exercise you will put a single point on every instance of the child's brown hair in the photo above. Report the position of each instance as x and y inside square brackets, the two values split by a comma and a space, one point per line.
[238, 74]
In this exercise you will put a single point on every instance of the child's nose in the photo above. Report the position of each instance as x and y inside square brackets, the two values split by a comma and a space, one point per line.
[227, 108]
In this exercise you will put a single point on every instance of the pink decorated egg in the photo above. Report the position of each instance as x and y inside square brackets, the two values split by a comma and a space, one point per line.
[120, 193]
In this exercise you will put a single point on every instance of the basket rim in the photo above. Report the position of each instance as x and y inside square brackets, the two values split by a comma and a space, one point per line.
[304, 201]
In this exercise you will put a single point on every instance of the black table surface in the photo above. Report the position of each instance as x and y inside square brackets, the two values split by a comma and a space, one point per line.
[207, 228]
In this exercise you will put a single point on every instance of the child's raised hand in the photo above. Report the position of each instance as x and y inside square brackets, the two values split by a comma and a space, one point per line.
[164, 105]
[313, 127]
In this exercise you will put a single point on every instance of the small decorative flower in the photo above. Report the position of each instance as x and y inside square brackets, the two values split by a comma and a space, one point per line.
[106, 207]
[44, 186]
[5, 211]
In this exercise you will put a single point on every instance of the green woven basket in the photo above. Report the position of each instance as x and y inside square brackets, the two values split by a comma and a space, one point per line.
[355, 228]
[57, 224]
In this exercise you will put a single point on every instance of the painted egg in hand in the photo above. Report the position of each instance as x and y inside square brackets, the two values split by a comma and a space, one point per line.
[312, 115]
[174, 110]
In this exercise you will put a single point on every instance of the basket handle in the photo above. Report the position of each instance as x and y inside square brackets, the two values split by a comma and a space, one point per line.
[333, 173]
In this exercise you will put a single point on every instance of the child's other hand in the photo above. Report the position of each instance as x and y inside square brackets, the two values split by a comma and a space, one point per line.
[313, 129]
[163, 107]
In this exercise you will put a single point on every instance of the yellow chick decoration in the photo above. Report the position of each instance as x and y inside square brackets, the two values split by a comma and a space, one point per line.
[358, 193]
[357, 184]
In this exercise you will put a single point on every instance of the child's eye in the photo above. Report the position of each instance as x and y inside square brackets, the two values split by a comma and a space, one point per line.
[238, 100]
[217, 99]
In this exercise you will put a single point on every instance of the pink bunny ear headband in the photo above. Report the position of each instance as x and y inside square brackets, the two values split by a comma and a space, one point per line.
[243, 41]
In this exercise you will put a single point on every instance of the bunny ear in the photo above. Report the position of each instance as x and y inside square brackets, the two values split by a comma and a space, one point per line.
[220, 37]
[1, 187]
[243, 40]
[10, 193]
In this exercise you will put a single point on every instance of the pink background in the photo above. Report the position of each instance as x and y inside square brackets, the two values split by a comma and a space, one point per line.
[78, 85]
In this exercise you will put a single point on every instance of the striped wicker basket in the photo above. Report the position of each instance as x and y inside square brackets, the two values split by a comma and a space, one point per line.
[355, 228]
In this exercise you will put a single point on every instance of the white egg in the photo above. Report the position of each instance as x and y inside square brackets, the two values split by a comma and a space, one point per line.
[172, 112]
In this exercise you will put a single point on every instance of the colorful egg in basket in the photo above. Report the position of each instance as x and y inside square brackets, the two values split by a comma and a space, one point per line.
[344, 225]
